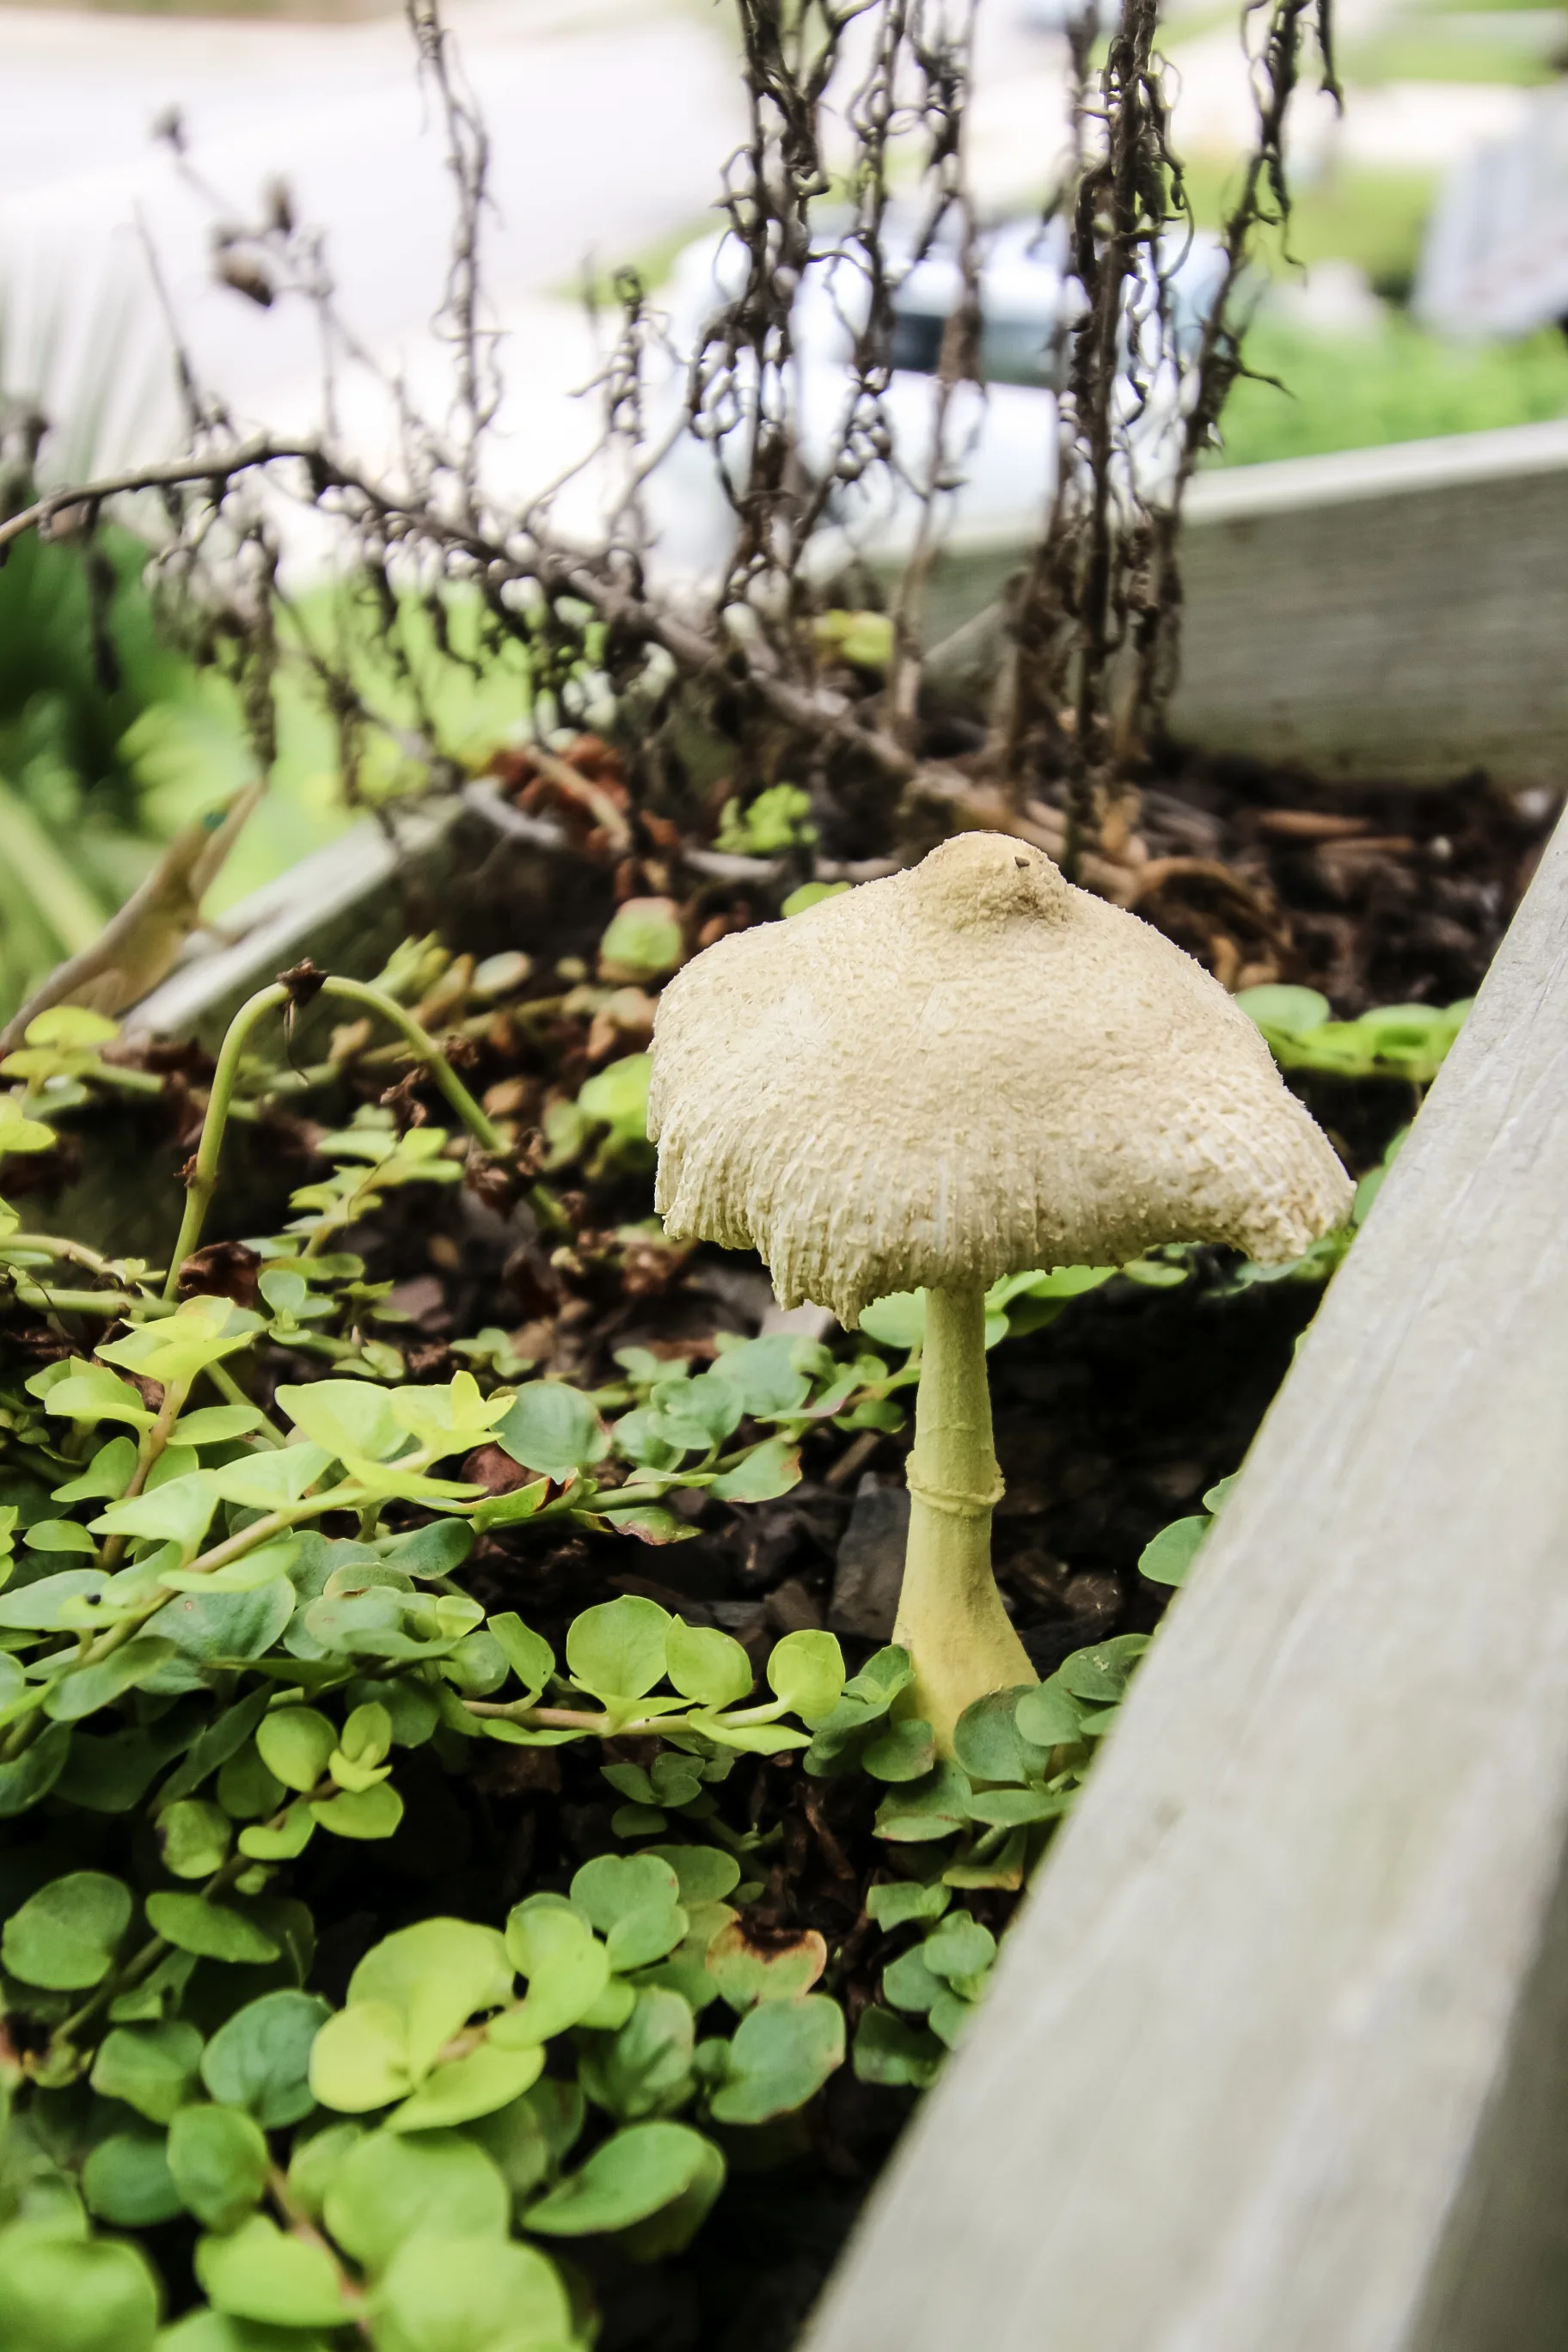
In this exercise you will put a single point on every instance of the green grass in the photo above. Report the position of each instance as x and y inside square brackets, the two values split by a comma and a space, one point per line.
[1401, 385]
[1407, 50]
[1374, 218]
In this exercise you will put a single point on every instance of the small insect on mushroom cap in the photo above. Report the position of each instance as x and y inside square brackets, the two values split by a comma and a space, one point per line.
[968, 1069]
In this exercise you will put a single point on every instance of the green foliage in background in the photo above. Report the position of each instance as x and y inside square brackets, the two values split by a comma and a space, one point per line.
[1492, 43]
[80, 669]
[1395, 383]
[111, 738]
[1372, 216]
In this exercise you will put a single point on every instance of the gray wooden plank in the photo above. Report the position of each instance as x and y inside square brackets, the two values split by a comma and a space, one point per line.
[1458, 550]
[1277, 2058]
[1403, 633]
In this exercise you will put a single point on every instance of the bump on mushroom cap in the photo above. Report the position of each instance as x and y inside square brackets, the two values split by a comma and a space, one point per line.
[967, 1069]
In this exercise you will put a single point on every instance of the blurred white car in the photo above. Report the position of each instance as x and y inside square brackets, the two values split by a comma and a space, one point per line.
[1000, 441]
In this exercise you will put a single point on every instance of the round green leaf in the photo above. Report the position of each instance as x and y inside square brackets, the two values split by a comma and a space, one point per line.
[346, 1417]
[192, 1837]
[178, 1510]
[650, 1523]
[471, 2294]
[922, 1809]
[294, 1743]
[201, 1332]
[988, 1742]
[246, 1790]
[260, 2059]
[206, 2330]
[641, 2169]
[671, 2230]
[65, 1936]
[1169, 1556]
[359, 2060]
[90, 1688]
[567, 1968]
[315, 2160]
[69, 2294]
[95, 1393]
[212, 1627]
[705, 1873]
[484, 2079]
[644, 2069]
[432, 1550]
[126, 2181]
[618, 1650]
[1284, 1011]
[765, 1375]
[781, 1969]
[107, 1476]
[528, 1653]
[553, 1428]
[1048, 1718]
[361, 1812]
[950, 2017]
[1101, 1674]
[904, 1899]
[806, 1671]
[896, 1321]
[766, 1471]
[259, 2272]
[890, 2050]
[960, 1946]
[618, 1096]
[59, 1535]
[284, 1841]
[908, 1983]
[705, 1664]
[904, 1751]
[435, 1976]
[614, 1887]
[700, 1413]
[151, 2068]
[214, 1931]
[36, 1608]
[219, 2160]
[388, 2190]
[782, 2053]
[410, 1702]
[30, 1776]
[644, 942]
[529, 2139]
[1009, 1808]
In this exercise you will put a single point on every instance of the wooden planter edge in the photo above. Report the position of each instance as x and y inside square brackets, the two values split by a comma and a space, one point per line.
[1278, 2051]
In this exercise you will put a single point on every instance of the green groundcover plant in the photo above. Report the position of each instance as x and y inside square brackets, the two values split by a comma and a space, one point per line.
[226, 1634]
[224, 1631]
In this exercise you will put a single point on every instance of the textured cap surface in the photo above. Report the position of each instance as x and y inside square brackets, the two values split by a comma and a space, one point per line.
[968, 1069]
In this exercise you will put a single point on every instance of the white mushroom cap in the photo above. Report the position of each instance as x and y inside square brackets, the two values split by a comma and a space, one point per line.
[965, 1070]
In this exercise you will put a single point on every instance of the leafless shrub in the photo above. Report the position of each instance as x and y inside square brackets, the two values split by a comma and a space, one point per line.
[851, 175]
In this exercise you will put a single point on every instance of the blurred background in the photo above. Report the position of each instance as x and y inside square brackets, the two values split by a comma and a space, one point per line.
[1423, 291]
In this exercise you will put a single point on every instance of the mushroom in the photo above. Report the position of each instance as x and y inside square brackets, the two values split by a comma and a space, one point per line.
[963, 1071]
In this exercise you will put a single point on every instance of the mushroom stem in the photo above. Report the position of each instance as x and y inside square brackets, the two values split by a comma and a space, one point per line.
[950, 1619]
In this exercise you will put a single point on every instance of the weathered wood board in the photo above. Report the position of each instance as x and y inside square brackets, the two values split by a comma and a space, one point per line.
[1394, 614]
[1276, 2057]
